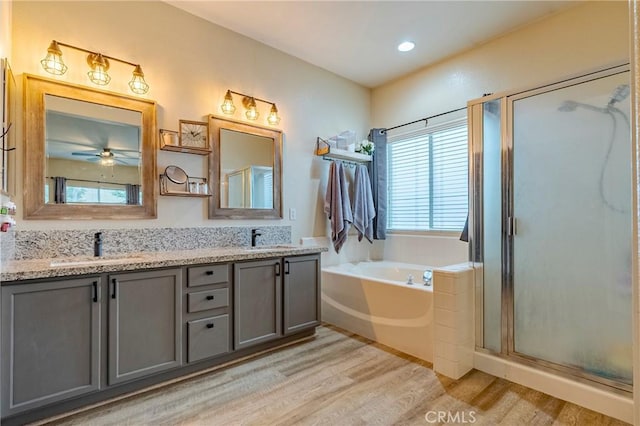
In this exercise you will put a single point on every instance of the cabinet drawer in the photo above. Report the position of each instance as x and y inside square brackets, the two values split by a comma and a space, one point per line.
[204, 275]
[208, 337]
[210, 299]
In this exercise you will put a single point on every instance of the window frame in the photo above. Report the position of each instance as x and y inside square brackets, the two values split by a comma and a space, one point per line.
[429, 130]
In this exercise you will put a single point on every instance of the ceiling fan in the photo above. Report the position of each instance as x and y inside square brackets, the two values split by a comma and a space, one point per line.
[106, 157]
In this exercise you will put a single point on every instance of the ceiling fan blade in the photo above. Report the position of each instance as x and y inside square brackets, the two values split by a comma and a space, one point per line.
[85, 154]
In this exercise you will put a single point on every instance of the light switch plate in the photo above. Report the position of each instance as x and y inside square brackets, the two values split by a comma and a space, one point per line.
[293, 215]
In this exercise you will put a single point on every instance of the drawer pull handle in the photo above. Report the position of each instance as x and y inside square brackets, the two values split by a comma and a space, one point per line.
[115, 285]
[210, 297]
[210, 325]
[209, 272]
[95, 291]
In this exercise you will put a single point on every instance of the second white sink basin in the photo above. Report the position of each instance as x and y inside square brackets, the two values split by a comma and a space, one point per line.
[83, 261]
[267, 248]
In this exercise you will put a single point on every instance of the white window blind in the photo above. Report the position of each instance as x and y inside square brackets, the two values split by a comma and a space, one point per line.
[428, 179]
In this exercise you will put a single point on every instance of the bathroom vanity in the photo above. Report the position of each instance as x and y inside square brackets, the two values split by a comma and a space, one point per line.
[75, 332]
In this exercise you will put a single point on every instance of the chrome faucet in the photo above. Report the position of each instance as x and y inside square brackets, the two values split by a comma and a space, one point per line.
[254, 234]
[410, 279]
[97, 244]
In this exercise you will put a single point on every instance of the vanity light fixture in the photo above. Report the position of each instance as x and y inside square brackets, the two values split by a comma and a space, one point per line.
[249, 103]
[98, 67]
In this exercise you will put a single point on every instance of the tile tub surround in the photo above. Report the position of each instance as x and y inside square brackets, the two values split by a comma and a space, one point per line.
[18, 270]
[31, 244]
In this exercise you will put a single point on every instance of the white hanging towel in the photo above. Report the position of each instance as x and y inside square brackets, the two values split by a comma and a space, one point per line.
[363, 208]
[337, 205]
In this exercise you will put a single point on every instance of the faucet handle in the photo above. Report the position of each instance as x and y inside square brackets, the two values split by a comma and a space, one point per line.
[97, 235]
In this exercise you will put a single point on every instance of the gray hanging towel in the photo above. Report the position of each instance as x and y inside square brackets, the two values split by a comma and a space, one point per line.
[378, 175]
[363, 210]
[337, 205]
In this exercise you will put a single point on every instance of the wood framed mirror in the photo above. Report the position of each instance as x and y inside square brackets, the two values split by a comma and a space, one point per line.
[88, 154]
[245, 170]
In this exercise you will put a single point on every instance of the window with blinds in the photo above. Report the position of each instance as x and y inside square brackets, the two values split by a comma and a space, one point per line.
[427, 182]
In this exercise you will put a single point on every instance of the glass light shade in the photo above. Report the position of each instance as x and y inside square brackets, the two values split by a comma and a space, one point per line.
[52, 63]
[227, 106]
[99, 67]
[108, 161]
[273, 117]
[252, 112]
[137, 83]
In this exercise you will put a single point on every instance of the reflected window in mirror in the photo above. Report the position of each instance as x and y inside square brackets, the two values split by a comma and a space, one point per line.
[245, 167]
[92, 153]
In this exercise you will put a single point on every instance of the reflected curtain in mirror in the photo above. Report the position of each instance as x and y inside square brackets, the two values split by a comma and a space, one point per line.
[59, 190]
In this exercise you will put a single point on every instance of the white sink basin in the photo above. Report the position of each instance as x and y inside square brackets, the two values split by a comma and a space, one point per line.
[267, 248]
[84, 261]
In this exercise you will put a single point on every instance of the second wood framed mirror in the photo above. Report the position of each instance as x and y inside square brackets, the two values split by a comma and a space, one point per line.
[245, 170]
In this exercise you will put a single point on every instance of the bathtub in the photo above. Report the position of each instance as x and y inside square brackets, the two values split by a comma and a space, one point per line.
[373, 299]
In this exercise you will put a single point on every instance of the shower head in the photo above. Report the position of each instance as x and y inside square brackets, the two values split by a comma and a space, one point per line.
[619, 94]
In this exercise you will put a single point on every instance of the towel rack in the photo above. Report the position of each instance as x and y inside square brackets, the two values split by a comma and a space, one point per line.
[327, 152]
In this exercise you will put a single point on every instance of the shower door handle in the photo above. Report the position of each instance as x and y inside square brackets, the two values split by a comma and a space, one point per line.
[511, 226]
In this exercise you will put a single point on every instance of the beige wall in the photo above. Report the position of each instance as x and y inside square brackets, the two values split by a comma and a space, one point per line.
[573, 41]
[5, 29]
[189, 64]
[578, 39]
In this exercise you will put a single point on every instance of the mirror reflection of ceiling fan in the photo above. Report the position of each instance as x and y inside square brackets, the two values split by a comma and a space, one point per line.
[106, 157]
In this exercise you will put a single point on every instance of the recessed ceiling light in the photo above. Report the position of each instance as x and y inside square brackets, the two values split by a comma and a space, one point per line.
[406, 46]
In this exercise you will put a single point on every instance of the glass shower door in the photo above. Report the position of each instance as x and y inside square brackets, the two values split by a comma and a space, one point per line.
[570, 228]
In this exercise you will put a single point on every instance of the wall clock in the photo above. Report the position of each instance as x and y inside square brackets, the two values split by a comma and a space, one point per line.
[194, 134]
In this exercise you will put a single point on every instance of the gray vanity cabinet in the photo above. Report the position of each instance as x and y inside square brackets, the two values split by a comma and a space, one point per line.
[257, 309]
[50, 342]
[145, 331]
[301, 293]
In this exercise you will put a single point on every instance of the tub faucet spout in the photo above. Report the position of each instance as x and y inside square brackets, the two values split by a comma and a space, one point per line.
[427, 277]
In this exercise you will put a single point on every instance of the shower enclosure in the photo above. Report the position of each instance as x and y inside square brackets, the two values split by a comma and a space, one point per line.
[552, 226]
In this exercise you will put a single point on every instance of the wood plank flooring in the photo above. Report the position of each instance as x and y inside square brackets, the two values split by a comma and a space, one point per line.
[337, 379]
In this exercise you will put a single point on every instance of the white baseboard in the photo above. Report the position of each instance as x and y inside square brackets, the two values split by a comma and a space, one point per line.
[611, 404]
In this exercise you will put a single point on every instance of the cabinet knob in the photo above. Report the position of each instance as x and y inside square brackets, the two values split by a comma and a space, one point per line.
[210, 325]
[209, 272]
[210, 297]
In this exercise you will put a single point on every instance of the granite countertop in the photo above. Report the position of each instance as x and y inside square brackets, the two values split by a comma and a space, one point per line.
[18, 270]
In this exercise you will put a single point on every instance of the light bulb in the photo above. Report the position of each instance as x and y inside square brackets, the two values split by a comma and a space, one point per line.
[137, 83]
[273, 118]
[99, 66]
[252, 112]
[52, 63]
[227, 106]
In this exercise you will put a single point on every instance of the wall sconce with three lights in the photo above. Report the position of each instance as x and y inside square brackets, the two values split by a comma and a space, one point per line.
[249, 103]
[98, 67]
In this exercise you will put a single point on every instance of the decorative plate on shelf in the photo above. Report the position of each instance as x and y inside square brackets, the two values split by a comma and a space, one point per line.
[194, 134]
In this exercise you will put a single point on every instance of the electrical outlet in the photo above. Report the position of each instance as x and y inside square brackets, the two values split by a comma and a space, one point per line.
[293, 214]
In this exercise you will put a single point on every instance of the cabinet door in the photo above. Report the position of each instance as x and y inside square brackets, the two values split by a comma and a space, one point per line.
[50, 342]
[257, 302]
[301, 293]
[145, 333]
